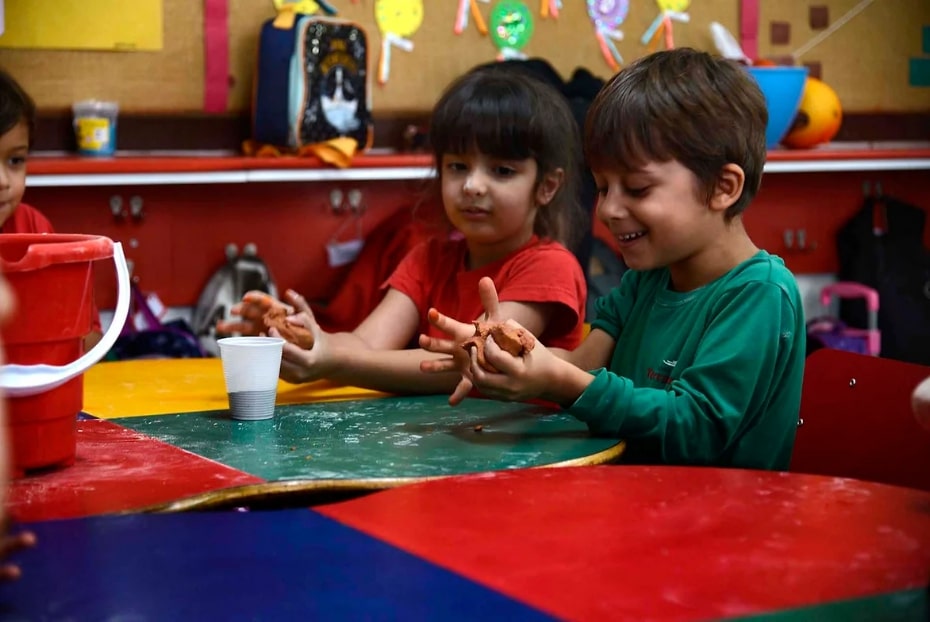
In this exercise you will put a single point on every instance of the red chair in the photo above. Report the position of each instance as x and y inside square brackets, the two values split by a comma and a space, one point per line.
[858, 422]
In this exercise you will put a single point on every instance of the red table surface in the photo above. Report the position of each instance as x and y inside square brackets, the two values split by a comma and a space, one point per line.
[117, 469]
[659, 543]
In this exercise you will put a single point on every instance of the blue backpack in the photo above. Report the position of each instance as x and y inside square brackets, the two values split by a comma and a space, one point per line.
[312, 84]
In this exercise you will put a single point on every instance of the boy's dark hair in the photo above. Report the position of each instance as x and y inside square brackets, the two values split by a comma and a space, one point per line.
[509, 115]
[15, 106]
[684, 105]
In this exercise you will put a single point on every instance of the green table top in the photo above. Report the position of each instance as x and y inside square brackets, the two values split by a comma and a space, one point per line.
[383, 438]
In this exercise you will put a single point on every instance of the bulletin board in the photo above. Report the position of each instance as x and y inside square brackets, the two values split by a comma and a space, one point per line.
[866, 61]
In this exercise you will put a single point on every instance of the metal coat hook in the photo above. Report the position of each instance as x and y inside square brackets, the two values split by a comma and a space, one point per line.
[335, 200]
[355, 200]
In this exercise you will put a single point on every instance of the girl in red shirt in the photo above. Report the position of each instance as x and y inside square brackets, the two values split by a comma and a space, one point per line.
[507, 154]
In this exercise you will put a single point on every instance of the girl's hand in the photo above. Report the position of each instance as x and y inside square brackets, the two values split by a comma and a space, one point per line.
[519, 378]
[458, 359]
[252, 310]
[299, 365]
[457, 356]
[11, 543]
[458, 331]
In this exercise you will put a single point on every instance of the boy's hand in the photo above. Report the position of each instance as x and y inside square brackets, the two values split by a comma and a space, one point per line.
[518, 378]
[11, 543]
[252, 310]
[297, 364]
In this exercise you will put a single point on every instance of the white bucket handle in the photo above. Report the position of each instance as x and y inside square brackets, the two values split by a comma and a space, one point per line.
[25, 380]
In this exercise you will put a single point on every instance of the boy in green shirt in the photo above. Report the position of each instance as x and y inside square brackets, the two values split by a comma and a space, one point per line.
[698, 355]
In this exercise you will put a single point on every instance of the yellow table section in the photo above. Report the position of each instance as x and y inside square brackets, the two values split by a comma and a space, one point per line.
[167, 386]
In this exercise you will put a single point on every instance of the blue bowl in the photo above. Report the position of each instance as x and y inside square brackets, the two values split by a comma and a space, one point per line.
[782, 88]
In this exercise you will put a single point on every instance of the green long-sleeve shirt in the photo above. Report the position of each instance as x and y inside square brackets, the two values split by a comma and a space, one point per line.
[711, 376]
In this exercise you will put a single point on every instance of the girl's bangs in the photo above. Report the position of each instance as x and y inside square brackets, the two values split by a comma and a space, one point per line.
[492, 123]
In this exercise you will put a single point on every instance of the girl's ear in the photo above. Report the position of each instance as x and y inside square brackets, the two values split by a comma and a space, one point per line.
[728, 188]
[549, 185]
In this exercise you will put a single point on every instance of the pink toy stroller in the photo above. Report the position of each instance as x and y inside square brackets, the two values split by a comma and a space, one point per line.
[830, 332]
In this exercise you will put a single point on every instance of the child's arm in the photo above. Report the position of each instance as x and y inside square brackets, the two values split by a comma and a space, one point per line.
[375, 355]
[538, 373]
[375, 359]
[591, 353]
[526, 382]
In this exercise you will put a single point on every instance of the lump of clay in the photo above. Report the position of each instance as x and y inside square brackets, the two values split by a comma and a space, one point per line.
[276, 317]
[516, 341]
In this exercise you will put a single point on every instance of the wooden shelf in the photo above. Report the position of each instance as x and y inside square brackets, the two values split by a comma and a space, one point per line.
[159, 169]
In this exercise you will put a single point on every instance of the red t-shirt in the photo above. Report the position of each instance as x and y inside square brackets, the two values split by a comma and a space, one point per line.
[27, 219]
[433, 275]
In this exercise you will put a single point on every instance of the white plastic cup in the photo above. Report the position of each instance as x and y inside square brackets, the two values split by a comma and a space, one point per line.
[250, 368]
[95, 127]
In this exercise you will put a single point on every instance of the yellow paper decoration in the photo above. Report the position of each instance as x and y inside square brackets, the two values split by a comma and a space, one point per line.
[397, 20]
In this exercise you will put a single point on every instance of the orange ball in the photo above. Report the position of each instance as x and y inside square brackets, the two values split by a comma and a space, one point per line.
[818, 119]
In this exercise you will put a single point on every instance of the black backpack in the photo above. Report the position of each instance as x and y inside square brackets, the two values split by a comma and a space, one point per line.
[882, 246]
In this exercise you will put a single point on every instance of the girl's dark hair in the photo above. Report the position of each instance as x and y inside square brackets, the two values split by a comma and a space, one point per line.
[684, 105]
[506, 114]
[15, 106]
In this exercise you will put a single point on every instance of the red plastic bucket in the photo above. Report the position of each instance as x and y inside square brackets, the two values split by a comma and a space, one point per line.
[52, 277]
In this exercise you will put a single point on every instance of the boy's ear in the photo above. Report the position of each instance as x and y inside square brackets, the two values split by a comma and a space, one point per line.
[549, 185]
[729, 187]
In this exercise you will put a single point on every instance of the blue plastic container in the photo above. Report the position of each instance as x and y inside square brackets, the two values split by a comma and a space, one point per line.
[782, 88]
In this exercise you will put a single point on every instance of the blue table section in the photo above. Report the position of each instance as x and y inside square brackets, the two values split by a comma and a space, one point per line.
[286, 565]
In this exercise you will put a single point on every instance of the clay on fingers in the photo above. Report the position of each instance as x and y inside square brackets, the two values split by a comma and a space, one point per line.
[516, 341]
[276, 317]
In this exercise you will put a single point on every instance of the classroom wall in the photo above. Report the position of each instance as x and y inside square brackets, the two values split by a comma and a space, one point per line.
[866, 61]
[181, 239]
[182, 236]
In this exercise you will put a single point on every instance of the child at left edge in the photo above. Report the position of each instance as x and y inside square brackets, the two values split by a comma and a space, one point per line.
[17, 126]
[12, 540]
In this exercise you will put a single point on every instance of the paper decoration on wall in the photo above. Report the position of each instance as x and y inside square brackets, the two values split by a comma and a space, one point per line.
[607, 15]
[511, 29]
[669, 11]
[111, 25]
[288, 10]
[397, 20]
[550, 7]
[461, 17]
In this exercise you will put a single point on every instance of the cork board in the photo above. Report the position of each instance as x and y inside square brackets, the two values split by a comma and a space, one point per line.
[866, 60]
[171, 80]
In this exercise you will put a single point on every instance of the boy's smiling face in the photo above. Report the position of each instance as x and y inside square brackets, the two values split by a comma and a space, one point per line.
[654, 213]
[14, 147]
[659, 219]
